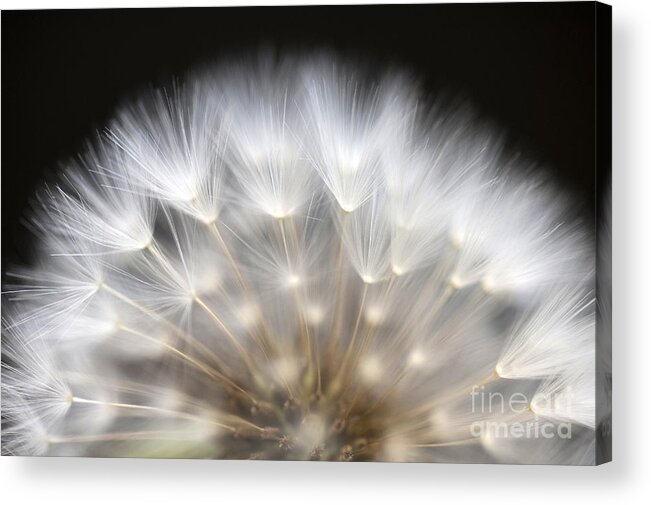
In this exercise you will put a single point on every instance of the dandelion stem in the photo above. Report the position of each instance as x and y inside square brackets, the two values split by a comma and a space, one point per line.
[464, 441]
[305, 330]
[205, 368]
[244, 355]
[149, 408]
[121, 436]
[340, 283]
[220, 324]
[458, 394]
[353, 338]
[157, 317]
[263, 340]
[368, 337]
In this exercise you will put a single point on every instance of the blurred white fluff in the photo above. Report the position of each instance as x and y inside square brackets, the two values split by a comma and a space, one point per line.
[266, 136]
[298, 260]
[569, 397]
[348, 126]
[175, 146]
[559, 332]
[98, 202]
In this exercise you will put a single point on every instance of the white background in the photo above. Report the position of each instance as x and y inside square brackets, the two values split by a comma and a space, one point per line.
[627, 479]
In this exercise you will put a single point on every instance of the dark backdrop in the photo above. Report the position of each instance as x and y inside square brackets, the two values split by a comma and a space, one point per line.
[528, 67]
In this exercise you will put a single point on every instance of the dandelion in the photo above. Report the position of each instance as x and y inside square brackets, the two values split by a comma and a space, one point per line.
[294, 260]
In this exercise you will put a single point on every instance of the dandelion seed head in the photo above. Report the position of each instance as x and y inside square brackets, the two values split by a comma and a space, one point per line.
[296, 258]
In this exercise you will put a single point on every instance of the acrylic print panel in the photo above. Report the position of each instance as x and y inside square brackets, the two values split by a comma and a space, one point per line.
[308, 233]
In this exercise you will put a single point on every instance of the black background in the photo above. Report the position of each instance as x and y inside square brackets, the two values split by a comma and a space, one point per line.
[528, 67]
